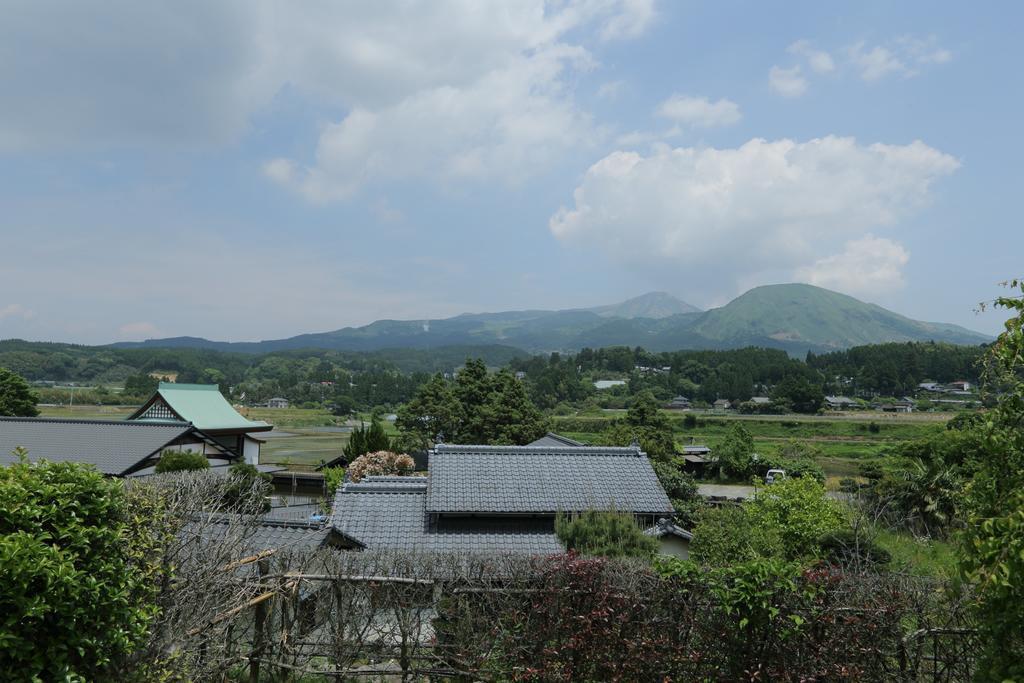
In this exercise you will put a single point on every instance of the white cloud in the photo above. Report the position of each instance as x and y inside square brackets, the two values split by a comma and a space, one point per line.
[699, 111]
[904, 57]
[868, 266]
[629, 20]
[820, 61]
[715, 216]
[138, 74]
[877, 62]
[787, 82]
[16, 311]
[505, 121]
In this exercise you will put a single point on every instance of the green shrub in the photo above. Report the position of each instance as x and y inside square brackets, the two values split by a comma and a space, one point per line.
[177, 461]
[800, 513]
[845, 546]
[333, 478]
[77, 574]
[607, 533]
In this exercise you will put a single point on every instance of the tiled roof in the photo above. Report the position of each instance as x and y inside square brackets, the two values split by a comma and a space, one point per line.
[524, 480]
[555, 440]
[114, 446]
[272, 534]
[396, 519]
[665, 527]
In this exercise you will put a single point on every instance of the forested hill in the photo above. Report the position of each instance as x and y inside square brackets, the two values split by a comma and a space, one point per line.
[795, 317]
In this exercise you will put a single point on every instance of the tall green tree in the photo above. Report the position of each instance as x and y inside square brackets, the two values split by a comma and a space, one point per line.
[16, 398]
[434, 411]
[478, 407]
[734, 453]
[993, 547]
[508, 416]
[367, 439]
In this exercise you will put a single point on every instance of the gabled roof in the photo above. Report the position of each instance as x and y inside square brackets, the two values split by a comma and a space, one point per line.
[201, 404]
[392, 515]
[516, 480]
[665, 527]
[114, 447]
[552, 439]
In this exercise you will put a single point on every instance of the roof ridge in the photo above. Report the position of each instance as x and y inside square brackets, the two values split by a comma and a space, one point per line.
[72, 420]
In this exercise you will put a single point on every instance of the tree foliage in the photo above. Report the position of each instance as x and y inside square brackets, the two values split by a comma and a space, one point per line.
[367, 439]
[607, 533]
[77, 573]
[477, 407]
[178, 461]
[994, 537]
[16, 398]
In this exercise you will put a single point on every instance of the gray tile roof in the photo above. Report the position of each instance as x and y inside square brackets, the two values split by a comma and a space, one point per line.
[665, 527]
[113, 446]
[396, 519]
[555, 440]
[272, 534]
[525, 480]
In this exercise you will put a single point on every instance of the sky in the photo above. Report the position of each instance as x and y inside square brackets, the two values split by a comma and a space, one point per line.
[259, 169]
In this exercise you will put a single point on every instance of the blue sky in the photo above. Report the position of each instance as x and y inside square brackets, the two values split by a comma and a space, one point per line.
[258, 169]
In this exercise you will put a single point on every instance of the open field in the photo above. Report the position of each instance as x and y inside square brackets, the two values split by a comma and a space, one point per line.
[87, 412]
[845, 439]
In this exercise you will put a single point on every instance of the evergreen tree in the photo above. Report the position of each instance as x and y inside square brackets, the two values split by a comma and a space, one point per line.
[367, 440]
[604, 532]
[16, 398]
[507, 415]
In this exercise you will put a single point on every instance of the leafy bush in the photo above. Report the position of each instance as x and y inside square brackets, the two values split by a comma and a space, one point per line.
[800, 513]
[690, 421]
[725, 535]
[333, 478]
[380, 463]
[846, 546]
[77, 574]
[607, 533]
[247, 489]
[178, 461]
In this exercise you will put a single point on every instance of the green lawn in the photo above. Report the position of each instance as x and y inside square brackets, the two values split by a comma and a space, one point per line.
[87, 412]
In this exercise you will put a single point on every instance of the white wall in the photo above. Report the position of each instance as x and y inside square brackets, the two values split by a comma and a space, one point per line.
[251, 450]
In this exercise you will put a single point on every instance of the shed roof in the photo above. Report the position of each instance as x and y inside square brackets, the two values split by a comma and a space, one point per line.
[396, 519]
[203, 405]
[114, 447]
[500, 480]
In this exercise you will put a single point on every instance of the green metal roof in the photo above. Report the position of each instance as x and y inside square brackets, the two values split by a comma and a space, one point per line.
[204, 406]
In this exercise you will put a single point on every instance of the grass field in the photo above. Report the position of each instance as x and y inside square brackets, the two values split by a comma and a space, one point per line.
[844, 439]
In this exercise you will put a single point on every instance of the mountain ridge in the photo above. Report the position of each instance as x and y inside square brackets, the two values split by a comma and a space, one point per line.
[794, 317]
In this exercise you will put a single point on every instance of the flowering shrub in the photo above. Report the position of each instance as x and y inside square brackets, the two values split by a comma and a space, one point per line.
[380, 463]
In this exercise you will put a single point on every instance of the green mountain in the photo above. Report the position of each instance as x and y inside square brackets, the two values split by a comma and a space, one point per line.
[793, 317]
[816, 317]
[651, 305]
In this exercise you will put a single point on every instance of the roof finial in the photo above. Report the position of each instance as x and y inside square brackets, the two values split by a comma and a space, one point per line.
[635, 443]
[439, 438]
